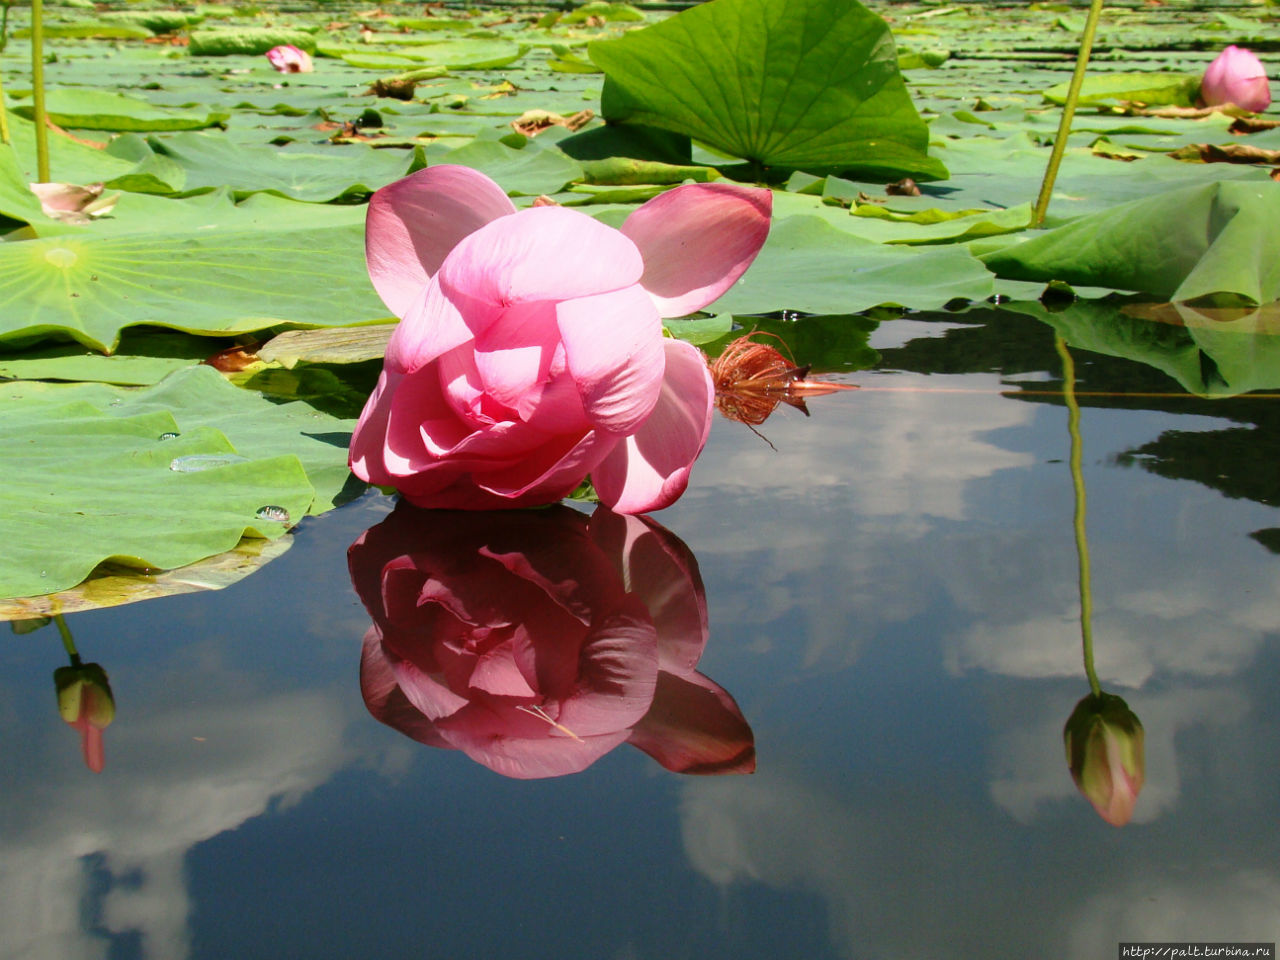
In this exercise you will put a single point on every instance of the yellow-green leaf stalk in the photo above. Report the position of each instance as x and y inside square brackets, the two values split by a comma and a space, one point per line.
[37, 90]
[1068, 112]
[1078, 520]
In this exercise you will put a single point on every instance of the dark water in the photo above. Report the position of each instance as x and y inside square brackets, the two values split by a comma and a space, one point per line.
[893, 603]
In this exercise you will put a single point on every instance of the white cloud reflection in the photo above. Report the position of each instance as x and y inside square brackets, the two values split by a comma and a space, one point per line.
[836, 513]
[206, 770]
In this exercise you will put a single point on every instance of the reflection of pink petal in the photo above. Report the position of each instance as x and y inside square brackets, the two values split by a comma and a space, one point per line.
[91, 744]
[697, 240]
[412, 224]
[384, 698]
[523, 746]
[650, 469]
[662, 571]
[694, 726]
[617, 672]
[523, 640]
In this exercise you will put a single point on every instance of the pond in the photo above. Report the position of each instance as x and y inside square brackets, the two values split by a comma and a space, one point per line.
[893, 599]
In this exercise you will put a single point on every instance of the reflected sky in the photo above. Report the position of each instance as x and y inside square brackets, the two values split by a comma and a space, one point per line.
[892, 601]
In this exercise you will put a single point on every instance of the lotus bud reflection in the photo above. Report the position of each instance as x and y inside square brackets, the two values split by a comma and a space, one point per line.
[1236, 76]
[1104, 742]
[85, 702]
[537, 641]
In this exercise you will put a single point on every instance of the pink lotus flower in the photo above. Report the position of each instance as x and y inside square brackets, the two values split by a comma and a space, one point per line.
[289, 59]
[1236, 76]
[530, 351]
[536, 642]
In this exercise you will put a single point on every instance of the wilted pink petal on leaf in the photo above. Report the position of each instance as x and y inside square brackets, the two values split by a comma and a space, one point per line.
[697, 240]
[71, 203]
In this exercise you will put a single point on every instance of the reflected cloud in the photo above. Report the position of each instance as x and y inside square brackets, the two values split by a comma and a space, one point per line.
[116, 844]
[537, 641]
[850, 491]
[1241, 906]
[905, 855]
[1155, 612]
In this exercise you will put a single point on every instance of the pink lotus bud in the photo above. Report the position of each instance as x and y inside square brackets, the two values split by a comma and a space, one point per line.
[1236, 76]
[1104, 742]
[289, 59]
[85, 702]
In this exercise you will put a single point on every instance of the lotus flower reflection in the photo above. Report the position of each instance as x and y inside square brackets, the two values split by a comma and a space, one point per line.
[537, 641]
[530, 351]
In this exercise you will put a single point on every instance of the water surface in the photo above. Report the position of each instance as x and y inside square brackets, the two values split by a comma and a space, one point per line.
[893, 603]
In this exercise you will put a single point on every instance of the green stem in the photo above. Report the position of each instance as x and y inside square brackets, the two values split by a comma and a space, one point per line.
[1077, 484]
[68, 642]
[1068, 112]
[4, 113]
[37, 90]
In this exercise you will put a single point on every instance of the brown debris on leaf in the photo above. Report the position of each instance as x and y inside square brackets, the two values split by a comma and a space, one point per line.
[1226, 153]
[533, 122]
[544, 201]
[1138, 109]
[906, 187]
[349, 132]
[1246, 125]
[234, 359]
[397, 88]
[751, 379]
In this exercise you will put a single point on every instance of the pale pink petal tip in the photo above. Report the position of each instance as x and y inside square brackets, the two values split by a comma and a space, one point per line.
[697, 240]
[412, 225]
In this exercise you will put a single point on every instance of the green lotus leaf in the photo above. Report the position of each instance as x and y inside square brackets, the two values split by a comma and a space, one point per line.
[89, 109]
[1199, 241]
[811, 86]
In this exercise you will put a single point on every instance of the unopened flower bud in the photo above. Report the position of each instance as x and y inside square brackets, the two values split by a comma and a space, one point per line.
[1104, 742]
